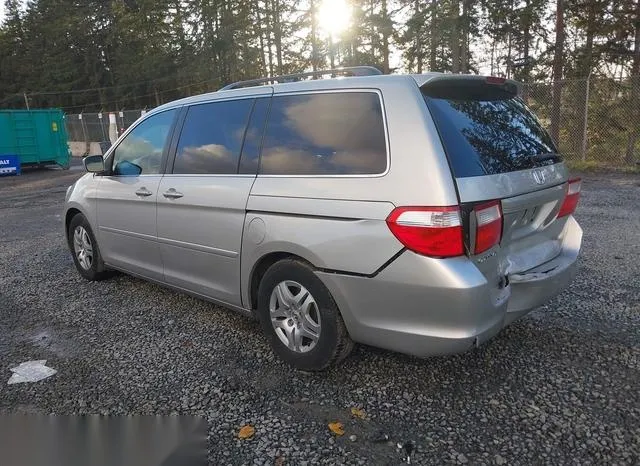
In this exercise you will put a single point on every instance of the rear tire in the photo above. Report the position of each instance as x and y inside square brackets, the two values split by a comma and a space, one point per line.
[85, 251]
[300, 318]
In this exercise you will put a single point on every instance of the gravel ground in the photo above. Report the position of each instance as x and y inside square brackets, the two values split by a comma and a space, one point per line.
[560, 386]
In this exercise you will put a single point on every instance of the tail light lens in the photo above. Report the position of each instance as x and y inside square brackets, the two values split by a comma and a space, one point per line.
[431, 231]
[571, 200]
[488, 225]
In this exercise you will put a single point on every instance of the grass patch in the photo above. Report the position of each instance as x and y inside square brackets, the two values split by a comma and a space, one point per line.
[591, 166]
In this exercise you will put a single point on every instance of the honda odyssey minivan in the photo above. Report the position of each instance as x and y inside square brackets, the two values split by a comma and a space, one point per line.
[418, 213]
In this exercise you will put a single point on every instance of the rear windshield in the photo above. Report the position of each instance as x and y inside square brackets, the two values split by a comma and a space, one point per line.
[487, 137]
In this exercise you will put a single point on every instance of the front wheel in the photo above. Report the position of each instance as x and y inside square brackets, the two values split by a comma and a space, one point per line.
[84, 247]
[300, 318]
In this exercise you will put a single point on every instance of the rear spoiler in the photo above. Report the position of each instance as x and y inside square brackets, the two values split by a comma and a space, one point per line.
[468, 86]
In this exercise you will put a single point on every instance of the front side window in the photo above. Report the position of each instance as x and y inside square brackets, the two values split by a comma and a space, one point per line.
[211, 138]
[339, 133]
[140, 152]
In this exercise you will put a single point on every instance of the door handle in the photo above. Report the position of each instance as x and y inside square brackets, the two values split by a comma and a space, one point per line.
[172, 194]
[144, 192]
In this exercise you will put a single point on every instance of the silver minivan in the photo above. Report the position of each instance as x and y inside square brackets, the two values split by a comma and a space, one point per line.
[418, 213]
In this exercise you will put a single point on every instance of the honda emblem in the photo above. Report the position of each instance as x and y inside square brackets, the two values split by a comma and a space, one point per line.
[539, 176]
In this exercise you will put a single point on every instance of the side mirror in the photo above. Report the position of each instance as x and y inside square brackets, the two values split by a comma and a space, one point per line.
[93, 163]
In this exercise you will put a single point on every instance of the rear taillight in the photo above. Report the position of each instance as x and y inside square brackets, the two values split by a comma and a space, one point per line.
[571, 200]
[431, 231]
[488, 225]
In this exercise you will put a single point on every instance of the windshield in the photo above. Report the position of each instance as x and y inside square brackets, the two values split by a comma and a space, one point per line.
[487, 137]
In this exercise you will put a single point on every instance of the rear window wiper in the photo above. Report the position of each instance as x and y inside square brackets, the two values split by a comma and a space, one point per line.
[546, 156]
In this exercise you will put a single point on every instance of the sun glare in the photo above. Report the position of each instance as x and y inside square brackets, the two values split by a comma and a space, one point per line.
[334, 17]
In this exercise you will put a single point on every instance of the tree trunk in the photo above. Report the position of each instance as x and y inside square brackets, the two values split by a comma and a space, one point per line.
[493, 54]
[269, 26]
[374, 39]
[635, 91]
[353, 50]
[509, 48]
[332, 55]
[314, 39]
[417, 42]
[558, 54]
[353, 47]
[434, 38]
[588, 47]
[466, 24]
[526, 37]
[386, 33]
[277, 34]
[209, 36]
[217, 56]
[455, 38]
[179, 25]
[256, 8]
[231, 58]
[585, 71]
[523, 75]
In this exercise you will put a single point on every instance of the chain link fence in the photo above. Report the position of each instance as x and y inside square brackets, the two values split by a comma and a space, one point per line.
[597, 120]
[84, 129]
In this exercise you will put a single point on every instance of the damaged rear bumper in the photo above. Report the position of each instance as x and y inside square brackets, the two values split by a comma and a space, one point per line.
[538, 285]
[425, 306]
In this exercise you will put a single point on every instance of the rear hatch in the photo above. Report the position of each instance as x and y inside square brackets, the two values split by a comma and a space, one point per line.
[510, 179]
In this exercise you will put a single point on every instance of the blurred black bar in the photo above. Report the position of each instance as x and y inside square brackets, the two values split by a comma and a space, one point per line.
[52, 440]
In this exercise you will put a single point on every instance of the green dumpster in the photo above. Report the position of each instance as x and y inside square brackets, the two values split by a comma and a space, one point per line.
[37, 137]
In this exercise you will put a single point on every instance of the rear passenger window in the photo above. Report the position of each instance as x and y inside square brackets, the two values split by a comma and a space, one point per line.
[211, 138]
[339, 133]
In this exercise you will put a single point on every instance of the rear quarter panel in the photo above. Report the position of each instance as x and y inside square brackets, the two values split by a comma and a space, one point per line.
[344, 236]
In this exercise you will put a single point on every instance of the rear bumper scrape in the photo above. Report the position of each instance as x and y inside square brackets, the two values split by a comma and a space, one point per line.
[538, 285]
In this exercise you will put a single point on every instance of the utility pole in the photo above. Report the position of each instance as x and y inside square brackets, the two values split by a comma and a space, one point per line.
[585, 117]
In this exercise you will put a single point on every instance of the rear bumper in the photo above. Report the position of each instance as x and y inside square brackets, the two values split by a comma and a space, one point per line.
[420, 306]
[535, 287]
[423, 306]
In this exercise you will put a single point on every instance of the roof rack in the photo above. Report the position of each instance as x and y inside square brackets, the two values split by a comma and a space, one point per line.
[287, 78]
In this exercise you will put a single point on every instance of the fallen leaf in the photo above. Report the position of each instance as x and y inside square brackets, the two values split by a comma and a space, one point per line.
[279, 461]
[246, 432]
[337, 428]
[358, 413]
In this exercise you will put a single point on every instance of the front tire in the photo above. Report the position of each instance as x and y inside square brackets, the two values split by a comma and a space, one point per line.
[85, 251]
[300, 318]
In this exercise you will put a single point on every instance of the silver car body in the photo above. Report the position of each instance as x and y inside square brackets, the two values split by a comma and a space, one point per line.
[216, 234]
